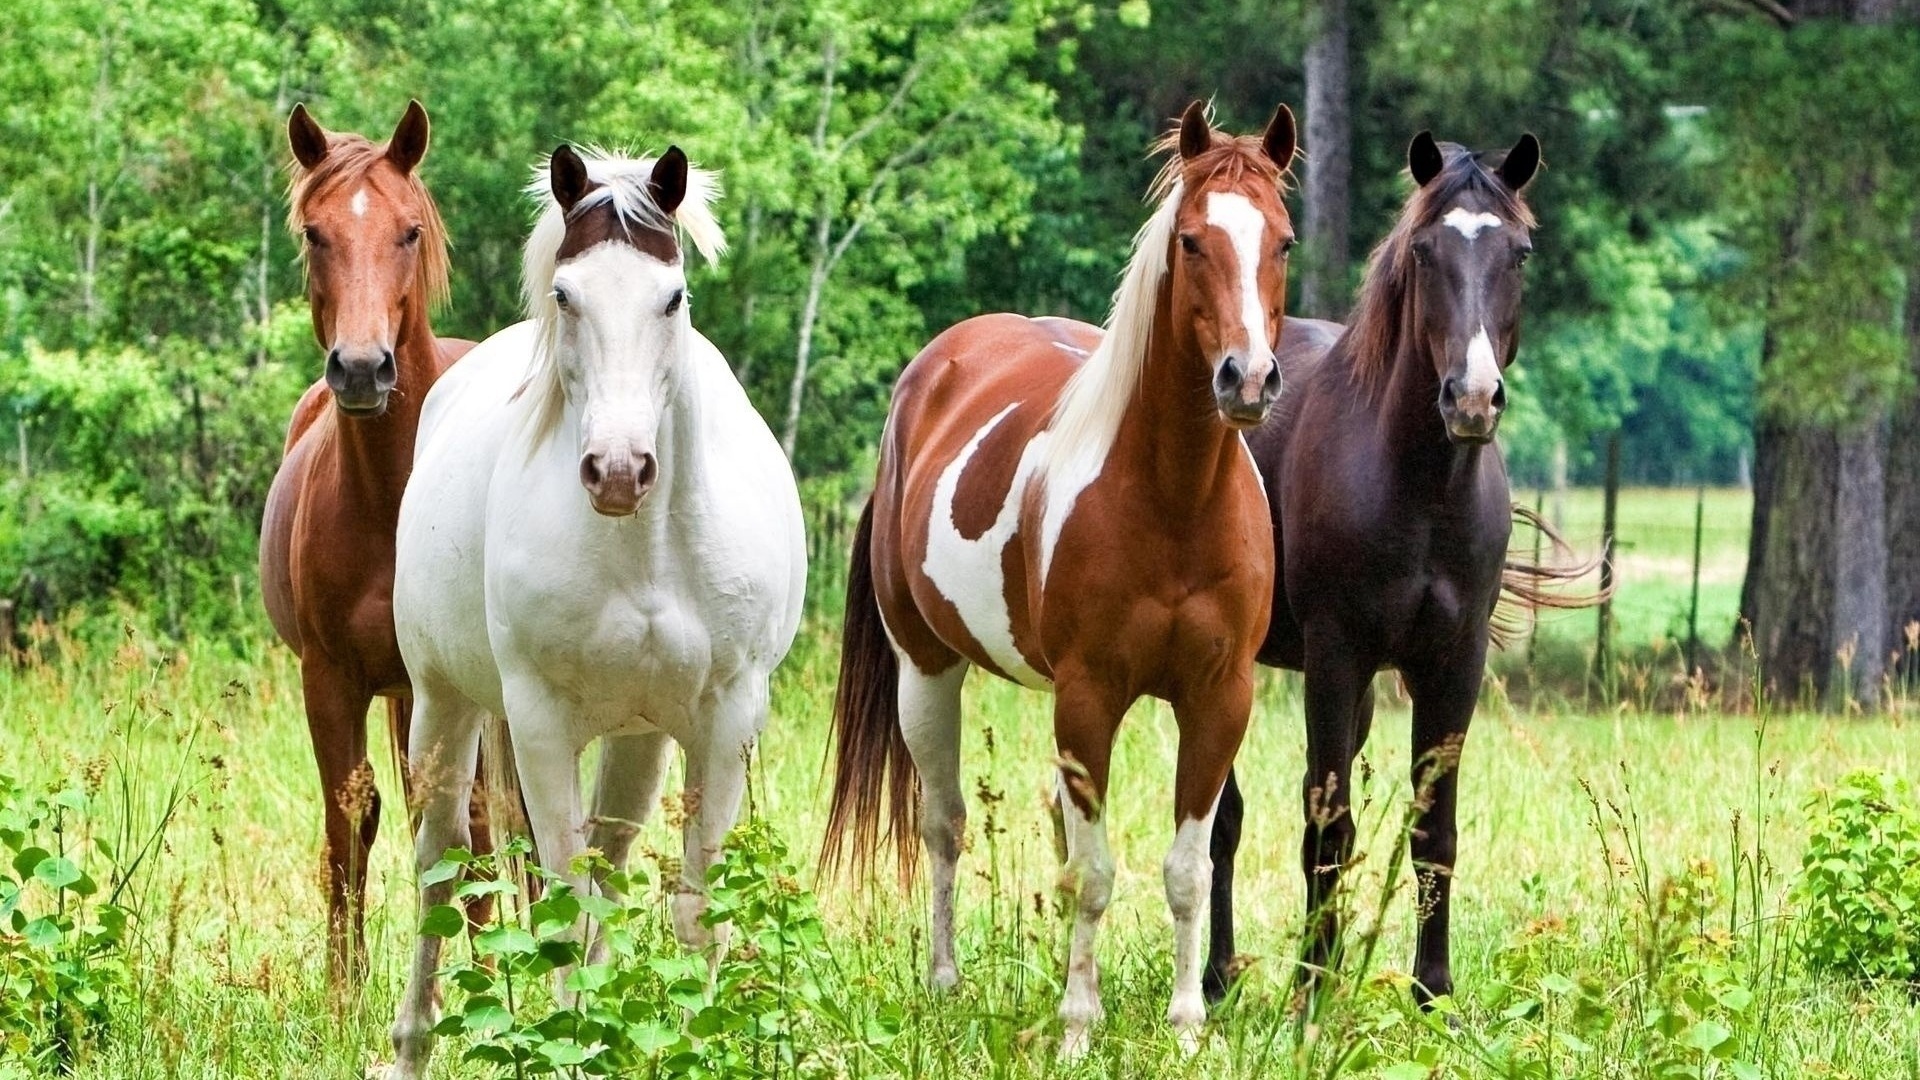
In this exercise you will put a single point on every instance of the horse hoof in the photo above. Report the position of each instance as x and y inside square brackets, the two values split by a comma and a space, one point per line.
[1189, 1036]
[943, 979]
[1074, 1044]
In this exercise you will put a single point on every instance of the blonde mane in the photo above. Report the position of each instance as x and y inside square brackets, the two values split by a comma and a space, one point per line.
[625, 182]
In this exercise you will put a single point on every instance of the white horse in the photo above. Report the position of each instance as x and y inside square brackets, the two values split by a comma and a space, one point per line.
[651, 606]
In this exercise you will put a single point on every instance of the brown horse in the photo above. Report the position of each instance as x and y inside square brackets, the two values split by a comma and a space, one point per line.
[376, 257]
[1077, 511]
[1391, 516]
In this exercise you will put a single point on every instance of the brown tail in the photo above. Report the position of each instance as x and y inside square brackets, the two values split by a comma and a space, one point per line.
[872, 769]
[500, 780]
[1525, 588]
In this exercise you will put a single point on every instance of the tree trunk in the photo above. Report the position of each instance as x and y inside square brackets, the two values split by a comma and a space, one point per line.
[1768, 440]
[1792, 602]
[1860, 565]
[1329, 146]
[1903, 493]
[809, 316]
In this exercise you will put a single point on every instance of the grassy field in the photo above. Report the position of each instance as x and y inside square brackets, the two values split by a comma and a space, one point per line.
[1654, 563]
[1573, 955]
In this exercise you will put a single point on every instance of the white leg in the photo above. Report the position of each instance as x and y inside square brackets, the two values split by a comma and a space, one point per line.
[625, 790]
[930, 722]
[633, 769]
[1090, 871]
[548, 760]
[1189, 875]
[442, 751]
[716, 780]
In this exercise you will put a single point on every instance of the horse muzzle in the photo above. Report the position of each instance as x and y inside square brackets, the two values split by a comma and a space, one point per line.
[361, 380]
[1472, 413]
[1245, 393]
[617, 478]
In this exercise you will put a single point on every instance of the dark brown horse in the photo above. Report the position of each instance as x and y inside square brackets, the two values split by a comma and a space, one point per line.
[1076, 511]
[1391, 516]
[376, 257]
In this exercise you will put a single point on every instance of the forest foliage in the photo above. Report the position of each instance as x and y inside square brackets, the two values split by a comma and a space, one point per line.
[891, 168]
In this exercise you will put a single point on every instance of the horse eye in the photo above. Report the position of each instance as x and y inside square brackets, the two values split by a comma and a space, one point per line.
[1189, 245]
[1423, 254]
[560, 297]
[1287, 246]
[413, 235]
[311, 235]
[1521, 256]
[673, 304]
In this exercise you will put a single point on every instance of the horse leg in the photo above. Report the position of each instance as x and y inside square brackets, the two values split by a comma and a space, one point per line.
[337, 723]
[1223, 848]
[1212, 724]
[547, 760]
[633, 769]
[1443, 701]
[716, 780]
[441, 752]
[930, 722]
[1334, 687]
[1085, 719]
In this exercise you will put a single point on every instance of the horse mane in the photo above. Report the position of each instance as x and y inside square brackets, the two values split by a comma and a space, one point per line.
[1373, 335]
[349, 158]
[625, 182]
[1087, 417]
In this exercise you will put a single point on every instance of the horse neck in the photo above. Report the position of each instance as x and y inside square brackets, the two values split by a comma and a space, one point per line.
[376, 454]
[1172, 432]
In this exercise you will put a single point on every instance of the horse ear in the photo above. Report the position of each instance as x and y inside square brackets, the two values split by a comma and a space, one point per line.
[1196, 134]
[1521, 162]
[1281, 139]
[567, 176]
[1423, 158]
[669, 180]
[409, 142]
[307, 137]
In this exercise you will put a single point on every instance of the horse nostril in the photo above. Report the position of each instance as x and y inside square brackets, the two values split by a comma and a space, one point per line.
[649, 472]
[336, 371]
[1500, 395]
[1270, 386]
[1227, 377]
[386, 374]
[590, 474]
[1450, 391]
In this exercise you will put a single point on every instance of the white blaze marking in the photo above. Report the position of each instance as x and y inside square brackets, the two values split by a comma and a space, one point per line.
[359, 203]
[1468, 223]
[1483, 370]
[1235, 215]
[967, 571]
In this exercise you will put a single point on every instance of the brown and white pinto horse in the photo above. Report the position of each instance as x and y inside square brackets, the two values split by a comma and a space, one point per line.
[1077, 511]
[1391, 519]
[376, 257]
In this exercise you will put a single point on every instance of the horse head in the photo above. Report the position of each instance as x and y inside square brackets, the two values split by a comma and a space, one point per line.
[374, 247]
[1467, 252]
[1228, 261]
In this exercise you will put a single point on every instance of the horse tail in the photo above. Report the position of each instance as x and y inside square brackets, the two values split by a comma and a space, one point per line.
[1527, 587]
[872, 768]
[500, 780]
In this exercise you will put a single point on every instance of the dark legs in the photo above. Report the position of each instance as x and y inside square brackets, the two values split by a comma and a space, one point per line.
[1224, 846]
[1339, 714]
[1329, 829]
[1443, 701]
[337, 723]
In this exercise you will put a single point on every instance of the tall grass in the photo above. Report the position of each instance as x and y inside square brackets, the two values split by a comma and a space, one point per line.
[1613, 870]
